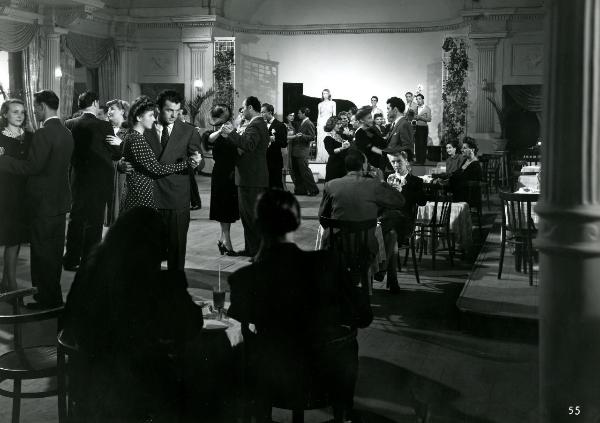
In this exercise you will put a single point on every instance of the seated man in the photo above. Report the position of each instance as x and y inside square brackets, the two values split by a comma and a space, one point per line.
[398, 224]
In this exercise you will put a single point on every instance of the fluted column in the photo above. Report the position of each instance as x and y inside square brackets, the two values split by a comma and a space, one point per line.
[486, 62]
[199, 53]
[52, 62]
[569, 236]
[126, 72]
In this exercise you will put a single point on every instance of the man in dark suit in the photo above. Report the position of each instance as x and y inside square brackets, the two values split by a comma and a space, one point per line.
[304, 183]
[251, 171]
[397, 224]
[400, 136]
[171, 139]
[277, 141]
[49, 197]
[92, 174]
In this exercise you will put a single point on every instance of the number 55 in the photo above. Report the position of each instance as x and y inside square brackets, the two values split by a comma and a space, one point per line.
[574, 411]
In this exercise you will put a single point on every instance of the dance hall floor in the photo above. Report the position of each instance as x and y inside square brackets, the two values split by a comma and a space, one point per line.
[420, 352]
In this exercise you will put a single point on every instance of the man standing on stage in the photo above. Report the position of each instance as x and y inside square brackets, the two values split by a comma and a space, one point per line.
[423, 116]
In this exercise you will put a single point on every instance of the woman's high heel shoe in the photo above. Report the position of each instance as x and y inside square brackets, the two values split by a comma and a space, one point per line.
[222, 247]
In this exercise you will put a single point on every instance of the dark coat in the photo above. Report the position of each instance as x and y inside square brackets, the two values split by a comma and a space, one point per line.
[92, 161]
[413, 193]
[47, 166]
[251, 166]
[301, 146]
[173, 192]
[401, 136]
[274, 157]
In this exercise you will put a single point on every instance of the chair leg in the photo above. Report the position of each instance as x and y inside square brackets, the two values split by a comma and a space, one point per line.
[450, 237]
[62, 387]
[406, 256]
[530, 260]
[16, 403]
[414, 257]
[421, 243]
[433, 246]
[502, 250]
[297, 416]
[479, 221]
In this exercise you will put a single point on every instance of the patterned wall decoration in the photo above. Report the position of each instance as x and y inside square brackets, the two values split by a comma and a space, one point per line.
[159, 62]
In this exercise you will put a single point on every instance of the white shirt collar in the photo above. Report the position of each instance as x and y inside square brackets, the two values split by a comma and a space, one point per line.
[51, 117]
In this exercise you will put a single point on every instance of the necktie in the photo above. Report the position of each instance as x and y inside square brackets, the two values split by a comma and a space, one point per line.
[164, 138]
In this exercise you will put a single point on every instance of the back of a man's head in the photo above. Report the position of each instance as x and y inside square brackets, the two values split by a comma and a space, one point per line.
[86, 99]
[354, 161]
[47, 97]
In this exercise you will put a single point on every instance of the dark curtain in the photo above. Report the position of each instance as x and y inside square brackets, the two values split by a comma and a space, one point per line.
[528, 97]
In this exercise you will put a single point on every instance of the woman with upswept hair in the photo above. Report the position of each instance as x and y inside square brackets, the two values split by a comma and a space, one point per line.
[14, 142]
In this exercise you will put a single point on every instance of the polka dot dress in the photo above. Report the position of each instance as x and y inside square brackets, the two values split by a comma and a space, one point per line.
[139, 185]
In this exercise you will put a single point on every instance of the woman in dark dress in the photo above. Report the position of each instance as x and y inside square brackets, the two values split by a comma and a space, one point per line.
[223, 192]
[14, 142]
[469, 171]
[367, 139]
[336, 148]
[139, 188]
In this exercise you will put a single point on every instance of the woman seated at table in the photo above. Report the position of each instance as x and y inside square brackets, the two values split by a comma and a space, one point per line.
[130, 321]
[304, 309]
[469, 171]
[454, 161]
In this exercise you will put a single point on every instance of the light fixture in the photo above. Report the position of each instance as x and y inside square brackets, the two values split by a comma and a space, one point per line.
[198, 84]
[58, 72]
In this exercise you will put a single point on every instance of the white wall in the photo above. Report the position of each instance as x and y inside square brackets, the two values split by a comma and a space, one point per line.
[354, 66]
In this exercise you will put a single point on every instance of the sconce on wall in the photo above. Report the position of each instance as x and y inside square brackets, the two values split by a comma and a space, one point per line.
[487, 86]
[58, 72]
[198, 84]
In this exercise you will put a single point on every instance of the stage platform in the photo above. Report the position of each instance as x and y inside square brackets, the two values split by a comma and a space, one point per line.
[510, 296]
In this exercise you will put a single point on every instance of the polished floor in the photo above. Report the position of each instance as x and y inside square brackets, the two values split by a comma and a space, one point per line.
[420, 354]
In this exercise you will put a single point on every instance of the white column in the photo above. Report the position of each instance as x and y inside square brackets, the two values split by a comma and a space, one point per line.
[52, 63]
[199, 53]
[569, 234]
[486, 58]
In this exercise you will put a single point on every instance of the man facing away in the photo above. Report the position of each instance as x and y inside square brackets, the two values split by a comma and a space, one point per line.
[49, 197]
[304, 183]
[251, 172]
[277, 141]
[92, 175]
[171, 139]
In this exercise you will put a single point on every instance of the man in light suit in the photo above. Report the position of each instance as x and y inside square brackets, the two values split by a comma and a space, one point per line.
[277, 141]
[423, 116]
[48, 195]
[171, 139]
[304, 183]
[92, 174]
[251, 171]
[411, 104]
[400, 136]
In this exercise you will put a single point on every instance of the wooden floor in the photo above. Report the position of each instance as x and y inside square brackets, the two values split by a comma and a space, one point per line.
[510, 296]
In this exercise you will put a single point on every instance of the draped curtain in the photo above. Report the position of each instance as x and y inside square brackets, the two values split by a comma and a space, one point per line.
[107, 77]
[16, 36]
[67, 82]
[33, 55]
[89, 51]
[529, 97]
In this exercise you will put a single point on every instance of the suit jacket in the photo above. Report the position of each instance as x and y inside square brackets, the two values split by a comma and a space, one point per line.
[355, 198]
[92, 161]
[47, 168]
[172, 192]
[424, 116]
[401, 136]
[278, 129]
[301, 146]
[251, 167]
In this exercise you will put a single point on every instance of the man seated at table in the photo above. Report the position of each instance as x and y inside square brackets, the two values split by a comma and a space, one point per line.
[398, 224]
[357, 196]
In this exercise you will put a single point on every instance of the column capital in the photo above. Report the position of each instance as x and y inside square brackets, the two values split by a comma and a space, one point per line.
[485, 41]
[198, 46]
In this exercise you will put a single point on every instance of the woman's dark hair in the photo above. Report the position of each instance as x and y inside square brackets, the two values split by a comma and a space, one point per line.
[454, 143]
[378, 115]
[277, 213]
[219, 110]
[4, 110]
[330, 124]
[140, 106]
[471, 143]
[363, 112]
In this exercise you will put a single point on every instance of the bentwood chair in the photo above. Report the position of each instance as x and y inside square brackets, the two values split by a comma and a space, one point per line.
[67, 352]
[408, 244]
[437, 226]
[351, 239]
[475, 202]
[518, 228]
[25, 363]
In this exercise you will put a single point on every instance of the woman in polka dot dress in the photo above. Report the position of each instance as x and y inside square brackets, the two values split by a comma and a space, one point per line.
[139, 186]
